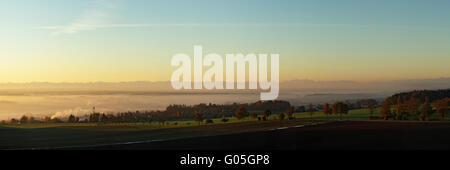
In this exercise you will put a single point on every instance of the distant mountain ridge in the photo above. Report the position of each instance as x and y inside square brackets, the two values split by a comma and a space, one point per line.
[440, 83]
[396, 85]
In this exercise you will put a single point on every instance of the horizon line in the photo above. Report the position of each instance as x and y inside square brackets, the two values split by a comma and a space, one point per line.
[168, 81]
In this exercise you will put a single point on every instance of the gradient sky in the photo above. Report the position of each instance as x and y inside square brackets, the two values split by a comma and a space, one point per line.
[122, 40]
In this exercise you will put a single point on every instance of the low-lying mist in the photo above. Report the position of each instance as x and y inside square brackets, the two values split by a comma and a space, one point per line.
[62, 99]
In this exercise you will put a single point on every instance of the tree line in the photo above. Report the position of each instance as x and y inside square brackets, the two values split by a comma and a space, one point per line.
[416, 105]
[412, 107]
[198, 112]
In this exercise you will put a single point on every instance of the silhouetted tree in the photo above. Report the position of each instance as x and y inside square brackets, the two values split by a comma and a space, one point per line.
[198, 115]
[72, 119]
[24, 119]
[14, 121]
[267, 113]
[326, 110]
[311, 111]
[31, 119]
[47, 119]
[94, 117]
[161, 121]
[241, 112]
[281, 116]
[217, 111]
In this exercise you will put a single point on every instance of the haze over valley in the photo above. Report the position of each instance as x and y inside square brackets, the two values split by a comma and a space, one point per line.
[63, 99]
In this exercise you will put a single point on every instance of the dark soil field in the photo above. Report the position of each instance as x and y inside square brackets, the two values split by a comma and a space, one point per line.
[341, 135]
[79, 136]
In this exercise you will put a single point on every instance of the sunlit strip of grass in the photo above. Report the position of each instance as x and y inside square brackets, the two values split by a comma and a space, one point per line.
[353, 114]
[357, 114]
[136, 125]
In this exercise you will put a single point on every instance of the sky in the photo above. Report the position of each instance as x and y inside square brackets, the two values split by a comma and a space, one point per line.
[325, 40]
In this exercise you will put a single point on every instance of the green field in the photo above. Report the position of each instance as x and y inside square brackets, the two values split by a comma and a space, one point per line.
[48, 135]
[360, 114]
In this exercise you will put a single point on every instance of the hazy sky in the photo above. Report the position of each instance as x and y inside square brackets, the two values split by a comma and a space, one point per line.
[123, 40]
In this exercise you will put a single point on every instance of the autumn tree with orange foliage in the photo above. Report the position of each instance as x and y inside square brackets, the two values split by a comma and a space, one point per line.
[289, 113]
[326, 110]
[386, 109]
[399, 109]
[340, 108]
[442, 107]
[412, 106]
[425, 111]
[198, 116]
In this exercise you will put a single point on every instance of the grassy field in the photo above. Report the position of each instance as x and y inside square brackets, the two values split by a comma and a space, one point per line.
[50, 135]
[357, 114]
[360, 114]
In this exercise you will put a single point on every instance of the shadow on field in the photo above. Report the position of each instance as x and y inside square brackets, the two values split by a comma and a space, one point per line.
[345, 135]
